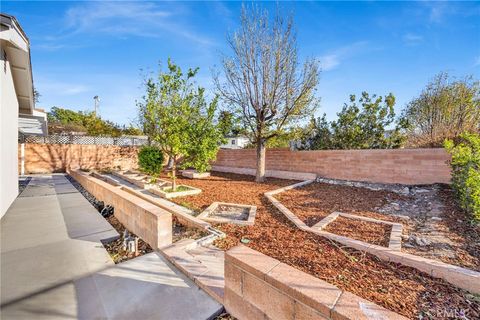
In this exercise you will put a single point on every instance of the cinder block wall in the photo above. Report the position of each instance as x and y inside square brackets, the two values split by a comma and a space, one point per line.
[46, 158]
[405, 166]
[260, 287]
[146, 220]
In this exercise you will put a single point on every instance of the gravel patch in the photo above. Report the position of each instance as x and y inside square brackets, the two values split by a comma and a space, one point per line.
[182, 232]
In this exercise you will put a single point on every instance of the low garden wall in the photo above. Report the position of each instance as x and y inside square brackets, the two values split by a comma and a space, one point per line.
[405, 166]
[261, 287]
[47, 158]
[146, 220]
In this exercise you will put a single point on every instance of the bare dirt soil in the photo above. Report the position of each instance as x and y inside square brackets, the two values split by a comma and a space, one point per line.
[370, 232]
[115, 248]
[401, 289]
[180, 231]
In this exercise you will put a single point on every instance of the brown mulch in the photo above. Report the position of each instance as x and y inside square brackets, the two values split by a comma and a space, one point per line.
[398, 288]
[370, 232]
[315, 201]
[115, 248]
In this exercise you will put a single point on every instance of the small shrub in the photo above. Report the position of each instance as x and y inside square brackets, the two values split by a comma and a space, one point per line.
[150, 160]
[466, 172]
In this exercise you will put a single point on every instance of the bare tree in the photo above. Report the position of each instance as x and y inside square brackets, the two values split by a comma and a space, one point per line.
[446, 108]
[263, 79]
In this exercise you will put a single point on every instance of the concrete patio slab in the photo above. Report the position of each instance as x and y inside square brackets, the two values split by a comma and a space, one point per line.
[54, 266]
[147, 287]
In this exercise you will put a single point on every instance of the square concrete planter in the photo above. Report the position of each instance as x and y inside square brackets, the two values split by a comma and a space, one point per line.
[141, 180]
[193, 174]
[138, 179]
[160, 190]
[223, 212]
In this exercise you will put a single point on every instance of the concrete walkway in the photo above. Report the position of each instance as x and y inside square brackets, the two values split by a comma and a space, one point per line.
[53, 265]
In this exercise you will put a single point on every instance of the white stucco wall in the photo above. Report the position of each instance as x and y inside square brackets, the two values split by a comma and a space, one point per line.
[8, 137]
[235, 143]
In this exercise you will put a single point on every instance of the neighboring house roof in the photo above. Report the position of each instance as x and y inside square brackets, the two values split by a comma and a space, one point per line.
[17, 47]
[32, 126]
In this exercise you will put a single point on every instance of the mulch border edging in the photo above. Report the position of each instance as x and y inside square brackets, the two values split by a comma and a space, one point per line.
[461, 277]
[395, 239]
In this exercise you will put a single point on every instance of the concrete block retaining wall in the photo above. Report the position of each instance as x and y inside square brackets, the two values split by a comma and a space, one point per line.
[47, 158]
[146, 220]
[404, 166]
[260, 287]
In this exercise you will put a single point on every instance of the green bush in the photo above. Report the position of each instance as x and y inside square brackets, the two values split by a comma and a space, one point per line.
[466, 172]
[150, 160]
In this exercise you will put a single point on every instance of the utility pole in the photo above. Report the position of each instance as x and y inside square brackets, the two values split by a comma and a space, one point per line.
[96, 100]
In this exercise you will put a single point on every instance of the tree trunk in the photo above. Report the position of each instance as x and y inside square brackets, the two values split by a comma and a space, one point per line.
[170, 162]
[174, 177]
[260, 174]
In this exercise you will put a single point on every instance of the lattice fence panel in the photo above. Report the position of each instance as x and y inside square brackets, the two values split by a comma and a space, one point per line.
[76, 139]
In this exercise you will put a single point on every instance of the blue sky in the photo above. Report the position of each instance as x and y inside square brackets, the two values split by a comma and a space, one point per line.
[83, 49]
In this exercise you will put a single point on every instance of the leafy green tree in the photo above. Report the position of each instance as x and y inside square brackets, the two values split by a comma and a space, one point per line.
[179, 119]
[131, 131]
[204, 135]
[318, 135]
[465, 165]
[446, 108]
[62, 120]
[229, 124]
[264, 81]
[65, 116]
[363, 124]
[36, 95]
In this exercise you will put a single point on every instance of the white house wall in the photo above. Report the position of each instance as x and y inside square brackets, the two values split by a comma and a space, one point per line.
[8, 137]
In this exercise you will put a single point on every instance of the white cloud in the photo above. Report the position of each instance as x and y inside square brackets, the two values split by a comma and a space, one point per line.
[411, 39]
[60, 88]
[329, 62]
[334, 58]
[123, 19]
[477, 62]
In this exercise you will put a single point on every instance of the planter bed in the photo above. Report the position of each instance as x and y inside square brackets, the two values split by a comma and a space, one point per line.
[450, 237]
[370, 232]
[141, 180]
[404, 290]
[313, 202]
[181, 191]
[193, 174]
